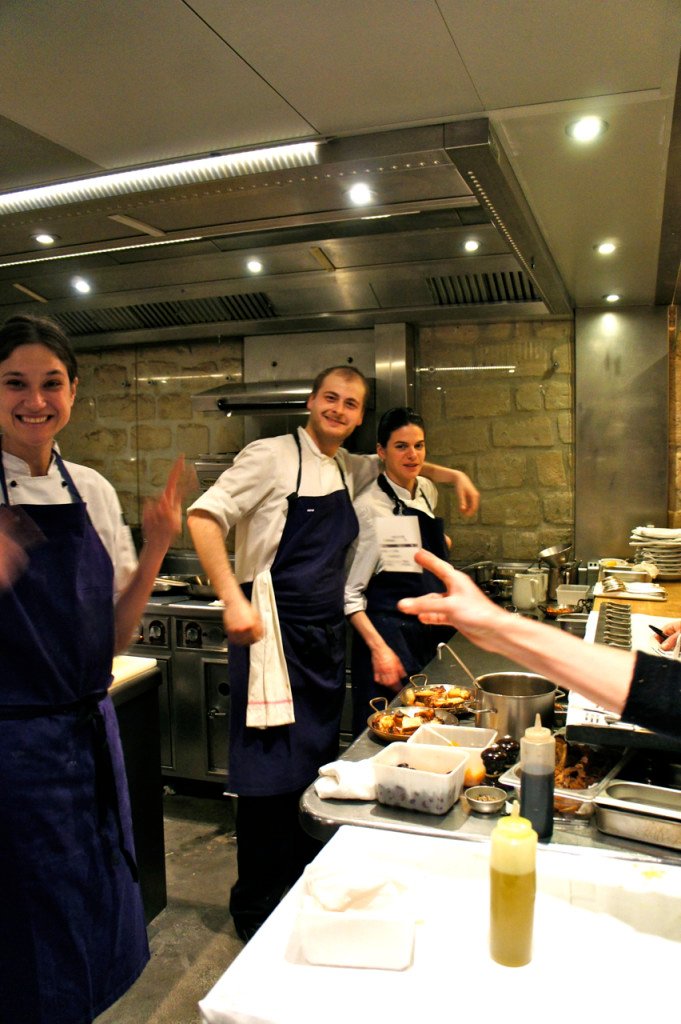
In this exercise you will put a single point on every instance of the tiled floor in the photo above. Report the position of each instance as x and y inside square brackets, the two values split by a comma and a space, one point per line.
[193, 940]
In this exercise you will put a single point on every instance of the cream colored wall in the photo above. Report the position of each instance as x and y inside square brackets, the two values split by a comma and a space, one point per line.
[511, 433]
[133, 415]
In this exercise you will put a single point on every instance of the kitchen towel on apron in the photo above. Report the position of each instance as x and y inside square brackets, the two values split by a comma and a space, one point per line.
[270, 701]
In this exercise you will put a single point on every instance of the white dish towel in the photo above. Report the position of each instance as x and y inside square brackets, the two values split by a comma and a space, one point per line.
[347, 780]
[270, 701]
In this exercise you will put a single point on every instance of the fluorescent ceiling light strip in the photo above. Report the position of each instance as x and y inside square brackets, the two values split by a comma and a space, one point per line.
[96, 252]
[461, 369]
[143, 179]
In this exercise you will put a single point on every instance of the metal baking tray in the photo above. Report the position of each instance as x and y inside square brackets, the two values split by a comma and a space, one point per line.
[635, 810]
[581, 796]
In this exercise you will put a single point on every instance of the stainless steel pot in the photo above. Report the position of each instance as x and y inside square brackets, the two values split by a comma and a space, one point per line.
[510, 701]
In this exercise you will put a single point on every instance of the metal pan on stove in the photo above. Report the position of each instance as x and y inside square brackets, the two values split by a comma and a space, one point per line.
[386, 722]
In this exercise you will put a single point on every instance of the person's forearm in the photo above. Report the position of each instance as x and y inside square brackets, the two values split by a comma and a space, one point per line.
[133, 599]
[440, 474]
[600, 673]
[210, 547]
[368, 632]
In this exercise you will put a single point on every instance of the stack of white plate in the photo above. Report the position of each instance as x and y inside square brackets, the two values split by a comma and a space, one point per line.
[660, 546]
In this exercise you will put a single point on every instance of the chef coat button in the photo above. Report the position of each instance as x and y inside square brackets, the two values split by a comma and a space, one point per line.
[12, 483]
[64, 483]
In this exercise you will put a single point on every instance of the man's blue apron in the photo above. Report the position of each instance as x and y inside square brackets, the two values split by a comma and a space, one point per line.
[72, 932]
[413, 642]
[308, 579]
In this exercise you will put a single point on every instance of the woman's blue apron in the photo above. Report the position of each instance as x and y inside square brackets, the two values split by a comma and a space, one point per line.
[72, 931]
[413, 642]
[309, 580]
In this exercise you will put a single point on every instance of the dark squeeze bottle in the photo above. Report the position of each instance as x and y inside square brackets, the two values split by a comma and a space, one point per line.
[537, 766]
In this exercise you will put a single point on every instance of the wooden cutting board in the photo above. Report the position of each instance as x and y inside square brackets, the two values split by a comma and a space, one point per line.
[126, 667]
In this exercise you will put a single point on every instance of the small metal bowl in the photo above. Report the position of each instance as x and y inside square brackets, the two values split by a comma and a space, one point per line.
[486, 799]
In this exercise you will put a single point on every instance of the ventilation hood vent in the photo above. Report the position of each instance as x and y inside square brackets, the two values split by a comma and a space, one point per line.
[481, 289]
[269, 397]
[246, 306]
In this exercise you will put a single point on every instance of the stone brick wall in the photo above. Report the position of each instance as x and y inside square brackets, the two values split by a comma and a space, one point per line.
[133, 415]
[511, 432]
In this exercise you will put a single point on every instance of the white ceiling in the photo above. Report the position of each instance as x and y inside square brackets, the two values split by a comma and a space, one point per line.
[86, 86]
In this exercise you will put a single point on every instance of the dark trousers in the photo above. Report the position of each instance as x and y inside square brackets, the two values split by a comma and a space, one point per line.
[272, 851]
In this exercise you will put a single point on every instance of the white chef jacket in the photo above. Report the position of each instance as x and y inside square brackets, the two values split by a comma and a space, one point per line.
[364, 556]
[103, 506]
[251, 495]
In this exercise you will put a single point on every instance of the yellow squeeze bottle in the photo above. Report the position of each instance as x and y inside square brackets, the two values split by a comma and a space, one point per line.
[512, 890]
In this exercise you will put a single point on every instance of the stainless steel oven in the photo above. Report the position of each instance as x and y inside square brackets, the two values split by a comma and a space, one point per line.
[189, 642]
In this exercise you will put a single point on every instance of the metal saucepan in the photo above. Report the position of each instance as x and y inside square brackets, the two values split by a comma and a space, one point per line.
[201, 586]
[170, 586]
[510, 701]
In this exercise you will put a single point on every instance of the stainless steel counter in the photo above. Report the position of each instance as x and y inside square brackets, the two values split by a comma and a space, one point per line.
[321, 818]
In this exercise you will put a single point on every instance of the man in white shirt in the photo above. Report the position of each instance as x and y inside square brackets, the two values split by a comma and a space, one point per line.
[290, 499]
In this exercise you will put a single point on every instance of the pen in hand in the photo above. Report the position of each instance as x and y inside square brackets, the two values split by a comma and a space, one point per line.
[658, 632]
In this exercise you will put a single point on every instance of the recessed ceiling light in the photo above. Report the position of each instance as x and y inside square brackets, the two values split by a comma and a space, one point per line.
[81, 285]
[44, 238]
[360, 194]
[605, 248]
[586, 129]
[255, 266]
[472, 245]
[612, 297]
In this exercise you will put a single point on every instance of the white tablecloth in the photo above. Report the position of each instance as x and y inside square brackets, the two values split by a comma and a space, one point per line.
[607, 938]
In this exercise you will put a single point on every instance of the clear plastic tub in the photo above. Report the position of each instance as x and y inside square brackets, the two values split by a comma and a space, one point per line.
[420, 777]
[464, 737]
[569, 595]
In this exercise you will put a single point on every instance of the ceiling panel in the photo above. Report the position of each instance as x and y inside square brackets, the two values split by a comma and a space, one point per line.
[478, 95]
[355, 65]
[122, 83]
[541, 51]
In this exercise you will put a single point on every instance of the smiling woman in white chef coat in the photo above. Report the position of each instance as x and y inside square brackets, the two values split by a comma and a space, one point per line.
[72, 931]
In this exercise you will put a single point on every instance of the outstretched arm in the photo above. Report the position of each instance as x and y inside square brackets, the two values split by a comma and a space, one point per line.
[600, 673]
[242, 622]
[387, 668]
[467, 492]
[161, 522]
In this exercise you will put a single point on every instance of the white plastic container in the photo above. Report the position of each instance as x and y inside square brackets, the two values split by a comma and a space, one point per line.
[568, 595]
[356, 916]
[463, 737]
[356, 938]
[431, 783]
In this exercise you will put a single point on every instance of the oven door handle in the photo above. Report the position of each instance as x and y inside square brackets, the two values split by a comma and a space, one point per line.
[214, 713]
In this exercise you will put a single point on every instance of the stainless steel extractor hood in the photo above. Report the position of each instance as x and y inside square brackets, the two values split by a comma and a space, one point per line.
[272, 396]
[269, 397]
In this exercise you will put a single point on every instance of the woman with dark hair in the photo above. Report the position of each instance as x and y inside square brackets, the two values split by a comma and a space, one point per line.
[387, 646]
[72, 930]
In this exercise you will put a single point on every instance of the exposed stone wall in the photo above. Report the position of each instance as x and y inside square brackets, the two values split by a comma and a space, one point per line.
[133, 415]
[511, 432]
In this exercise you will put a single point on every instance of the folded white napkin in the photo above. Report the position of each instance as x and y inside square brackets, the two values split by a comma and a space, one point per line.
[270, 701]
[355, 887]
[346, 780]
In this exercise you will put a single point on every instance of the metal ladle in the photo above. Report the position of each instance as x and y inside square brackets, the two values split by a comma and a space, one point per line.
[458, 660]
